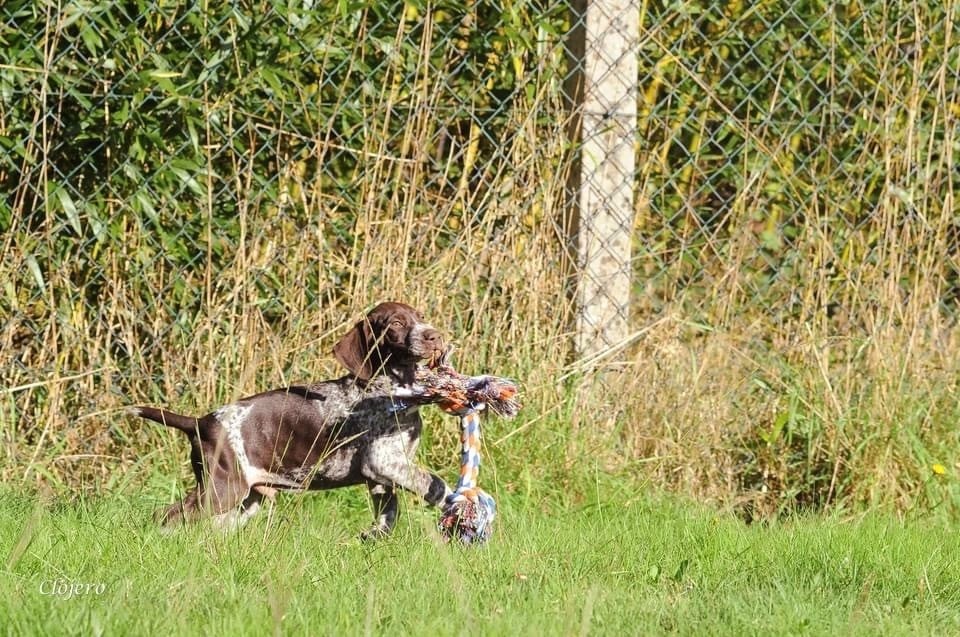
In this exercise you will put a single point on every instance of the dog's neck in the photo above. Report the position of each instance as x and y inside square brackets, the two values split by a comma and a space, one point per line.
[389, 373]
[403, 375]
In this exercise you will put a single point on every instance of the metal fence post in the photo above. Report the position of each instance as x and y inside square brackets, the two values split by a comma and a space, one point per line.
[604, 46]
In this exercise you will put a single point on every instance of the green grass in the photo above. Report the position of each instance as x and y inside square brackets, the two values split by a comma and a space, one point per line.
[626, 564]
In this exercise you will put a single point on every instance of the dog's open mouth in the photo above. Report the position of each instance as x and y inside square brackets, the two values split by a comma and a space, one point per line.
[435, 358]
[428, 358]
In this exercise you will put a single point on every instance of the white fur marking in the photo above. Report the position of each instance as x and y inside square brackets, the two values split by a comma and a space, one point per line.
[232, 418]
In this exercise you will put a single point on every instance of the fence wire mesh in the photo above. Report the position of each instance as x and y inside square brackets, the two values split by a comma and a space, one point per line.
[175, 175]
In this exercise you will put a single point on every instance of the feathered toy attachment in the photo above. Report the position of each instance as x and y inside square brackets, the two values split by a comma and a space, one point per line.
[468, 513]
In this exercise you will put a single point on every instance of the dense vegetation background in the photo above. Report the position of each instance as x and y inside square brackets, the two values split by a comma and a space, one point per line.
[196, 199]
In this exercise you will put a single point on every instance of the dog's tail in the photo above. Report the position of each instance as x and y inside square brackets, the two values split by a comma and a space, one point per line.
[186, 424]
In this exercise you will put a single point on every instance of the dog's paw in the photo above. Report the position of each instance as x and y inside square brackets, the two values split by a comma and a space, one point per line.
[374, 533]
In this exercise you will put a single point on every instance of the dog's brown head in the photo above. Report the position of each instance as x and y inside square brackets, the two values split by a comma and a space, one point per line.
[391, 339]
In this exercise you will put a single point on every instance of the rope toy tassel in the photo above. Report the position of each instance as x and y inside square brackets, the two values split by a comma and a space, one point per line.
[469, 511]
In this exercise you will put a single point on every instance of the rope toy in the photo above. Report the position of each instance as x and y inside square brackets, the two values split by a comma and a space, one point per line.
[468, 513]
[457, 394]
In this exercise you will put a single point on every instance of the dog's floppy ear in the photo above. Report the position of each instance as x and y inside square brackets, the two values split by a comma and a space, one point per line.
[354, 351]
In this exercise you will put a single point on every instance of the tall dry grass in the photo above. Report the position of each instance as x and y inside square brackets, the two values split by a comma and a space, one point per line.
[798, 353]
[489, 280]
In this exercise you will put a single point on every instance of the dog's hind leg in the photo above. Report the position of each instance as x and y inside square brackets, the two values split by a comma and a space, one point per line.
[237, 517]
[223, 497]
[226, 496]
[179, 512]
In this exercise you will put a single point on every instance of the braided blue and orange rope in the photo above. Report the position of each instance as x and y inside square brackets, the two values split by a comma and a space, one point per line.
[469, 511]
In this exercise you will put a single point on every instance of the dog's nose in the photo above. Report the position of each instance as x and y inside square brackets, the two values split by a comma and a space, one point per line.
[433, 338]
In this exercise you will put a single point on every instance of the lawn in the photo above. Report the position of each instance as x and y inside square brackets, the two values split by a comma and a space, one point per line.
[622, 564]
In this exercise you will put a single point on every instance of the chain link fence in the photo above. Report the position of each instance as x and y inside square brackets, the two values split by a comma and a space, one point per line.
[186, 186]
[792, 142]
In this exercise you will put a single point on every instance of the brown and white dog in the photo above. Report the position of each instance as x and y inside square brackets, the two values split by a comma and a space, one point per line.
[320, 436]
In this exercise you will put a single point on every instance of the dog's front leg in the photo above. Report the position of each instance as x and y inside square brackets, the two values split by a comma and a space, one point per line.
[385, 510]
[428, 486]
[390, 461]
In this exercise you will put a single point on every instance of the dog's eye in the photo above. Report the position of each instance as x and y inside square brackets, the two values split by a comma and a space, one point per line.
[396, 323]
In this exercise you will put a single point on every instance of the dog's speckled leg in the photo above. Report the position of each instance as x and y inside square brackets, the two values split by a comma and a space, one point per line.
[385, 511]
